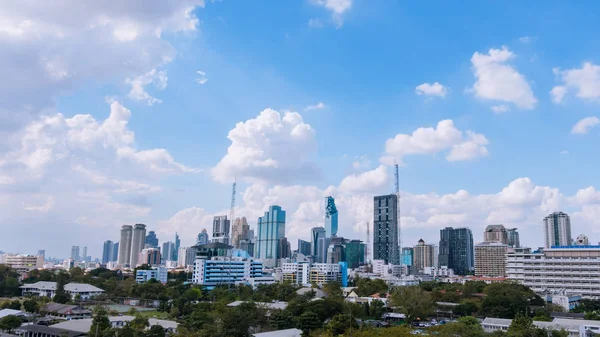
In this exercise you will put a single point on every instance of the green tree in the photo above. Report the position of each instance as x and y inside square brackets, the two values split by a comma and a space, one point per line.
[413, 301]
[465, 308]
[505, 300]
[100, 323]
[281, 319]
[376, 309]
[155, 331]
[31, 305]
[9, 323]
[522, 326]
[192, 294]
[15, 305]
[308, 322]
[340, 323]
[333, 289]
[139, 323]
[61, 296]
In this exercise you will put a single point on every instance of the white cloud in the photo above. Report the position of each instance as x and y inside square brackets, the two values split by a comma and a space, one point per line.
[337, 8]
[433, 140]
[362, 162]
[201, 78]
[499, 81]
[585, 125]
[585, 80]
[138, 84]
[315, 23]
[317, 106]
[271, 147]
[500, 108]
[434, 89]
[525, 39]
[564, 152]
[373, 180]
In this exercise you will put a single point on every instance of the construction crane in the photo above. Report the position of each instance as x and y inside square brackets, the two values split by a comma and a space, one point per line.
[232, 211]
[396, 174]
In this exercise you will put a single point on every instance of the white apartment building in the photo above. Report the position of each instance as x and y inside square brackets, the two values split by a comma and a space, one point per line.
[296, 272]
[22, 263]
[569, 270]
[159, 273]
[48, 289]
[436, 272]
[305, 274]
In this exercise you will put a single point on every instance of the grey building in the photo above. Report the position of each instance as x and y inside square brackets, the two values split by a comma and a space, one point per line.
[167, 251]
[456, 250]
[385, 229]
[151, 240]
[513, 238]
[271, 229]
[125, 245]
[316, 234]
[304, 247]
[107, 251]
[137, 243]
[557, 230]
[221, 228]
[75, 253]
[495, 233]
[202, 238]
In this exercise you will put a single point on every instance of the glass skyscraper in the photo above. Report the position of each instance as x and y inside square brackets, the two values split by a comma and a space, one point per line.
[557, 230]
[151, 239]
[385, 229]
[456, 250]
[331, 217]
[271, 228]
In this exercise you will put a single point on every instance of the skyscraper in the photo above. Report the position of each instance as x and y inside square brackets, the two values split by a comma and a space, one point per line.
[75, 253]
[557, 229]
[355, 253]
[331, 217]
[495, 233]
[115, 252]
[137, 243]
[271, 228]
[84, 256]
[107, 251]
[490, 259]
[456, 250]
[176, 248]
[304, 247]
[149, 256]
[513, 238]
[42, 253]
[316, 234]
[239, 231]
[424, 255]
[385, 229]
[202, 237]
[151, 240]
[407, 256]
[167, 251]
[125, 245]
[221, 228]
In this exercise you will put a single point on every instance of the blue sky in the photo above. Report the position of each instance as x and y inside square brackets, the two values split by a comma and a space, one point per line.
[362, 60]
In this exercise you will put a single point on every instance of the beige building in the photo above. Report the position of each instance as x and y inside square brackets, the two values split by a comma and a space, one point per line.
[495, 233]
[490, 259]
[22, 263]
[424, 255]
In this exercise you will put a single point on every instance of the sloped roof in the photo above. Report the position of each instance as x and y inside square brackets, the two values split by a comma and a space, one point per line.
[65, 309]
[9, 312]
[71, 287]
[83, 325]
[280, 333]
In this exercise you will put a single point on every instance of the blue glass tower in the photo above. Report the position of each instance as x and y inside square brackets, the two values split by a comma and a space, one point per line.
[331, 217]
[271, 228]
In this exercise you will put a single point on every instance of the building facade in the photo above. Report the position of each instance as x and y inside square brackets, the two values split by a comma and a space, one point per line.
[125, 245]
[149, 256]
[138, 240]
[22, 263]
[271, 229]
[317, 233]
[304, 247]
[424, 255]
[490, 259]
[151, 240]
[109, 253]
[167, 251]
[331, 217]
[385, 229]
[239, 231]
[304, 273]
[513, 238]
[355, 253]
[221, 229]
[495, 233]
[407, 256]
[456, 250]
[186, 256]
[159, 274]
[202, 237]
[48, 289]
[569, 270]
[75, 253]
[582, 240]
[557, 229]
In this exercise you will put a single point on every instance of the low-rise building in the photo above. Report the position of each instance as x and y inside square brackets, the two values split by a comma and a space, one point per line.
[84, 325]
[574, 327]
[159, 274]
[48, 289]
[22, 263]
[65, 311]
[304, 273]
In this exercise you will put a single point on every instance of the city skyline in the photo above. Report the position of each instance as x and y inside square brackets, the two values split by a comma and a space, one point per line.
[193, 96]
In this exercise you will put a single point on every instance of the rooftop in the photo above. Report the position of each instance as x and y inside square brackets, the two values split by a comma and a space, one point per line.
[70, 287]
[280, 333]
[274, 305]
[83, 325]
[65, 309]
[51, 331]
[9, 312]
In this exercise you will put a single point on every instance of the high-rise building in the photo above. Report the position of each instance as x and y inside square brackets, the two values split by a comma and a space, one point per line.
[115, 252]
[490, 259]
[271, 228]
[176, 248]
[407, 256]
[239, 231]
[424, 255]
[322, 248]
[385, 229]
[75, 253]
[125, 245]
[167, 251]
[202, 237]
[284, 250]
[316, 234]
[513, 238]
[331, 217]
[456, 250]
[336, 252]
[149, 256]
[186, 256]
[495, 233]
[151, 240]
[304, 247]
[42, 253]
[107, 251]
[582, 240]
[355, 253]
[84, 256]
[137, 243]
[557, 229]
[221, 228]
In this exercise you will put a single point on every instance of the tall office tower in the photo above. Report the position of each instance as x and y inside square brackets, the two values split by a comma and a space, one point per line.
[221, 229]
[355, 253]
[149, 256]
[186, 256]
[385, 229]
[495, 233]
[202, 237]
[107, 251]
[424, 255]
[490, 259]
[84, 256]
[456, 250]
[582, 240]
[271, 228]
[331, 217]
[115, 252]
[75, 253]
[176, 248]
[336, 252]
[557, 229]
[316, 233]
[125, 245]
[42, 253]
[304, 247]
[167, 251]
[151, 240]
[284, 250]
[322, 247]
[239, 231]
[513, 238]
[137, 243]
[407, 256]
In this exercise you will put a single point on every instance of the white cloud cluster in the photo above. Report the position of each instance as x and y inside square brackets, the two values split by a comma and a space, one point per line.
[271, 148]
[499, 81]
[138, 84]
[462, 146]
[585, 125]
[318, 106]
[434, 89]
[585, 80]
[337, 8]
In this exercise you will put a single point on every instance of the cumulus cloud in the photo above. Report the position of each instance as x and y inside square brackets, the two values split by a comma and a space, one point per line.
[434, 89]
[497, 80]
[585, 81]
[336, 7]
[373, 180]
[585, 125]
[273, 147]
[139, 83]
[462, 146]
[317, 106]
[315, 23]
